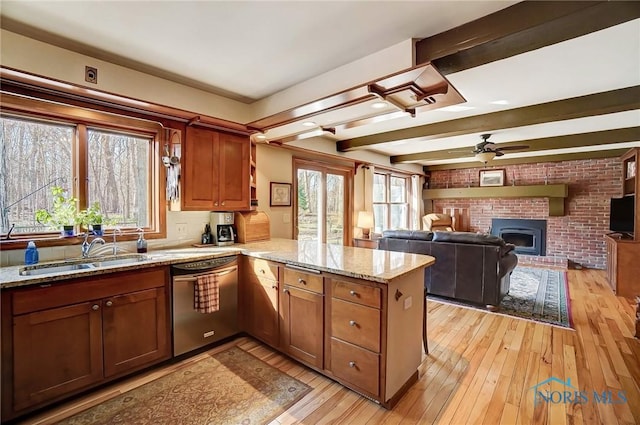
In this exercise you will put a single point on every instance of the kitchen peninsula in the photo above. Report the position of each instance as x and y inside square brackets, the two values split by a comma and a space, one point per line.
[352, 314]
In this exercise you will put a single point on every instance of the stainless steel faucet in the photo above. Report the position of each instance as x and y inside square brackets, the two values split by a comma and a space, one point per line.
[86, 246]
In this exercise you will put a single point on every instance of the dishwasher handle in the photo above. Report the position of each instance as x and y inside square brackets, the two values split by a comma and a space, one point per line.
[192, 277]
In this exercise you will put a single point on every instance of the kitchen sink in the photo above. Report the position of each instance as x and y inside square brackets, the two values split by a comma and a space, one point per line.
[81, 264]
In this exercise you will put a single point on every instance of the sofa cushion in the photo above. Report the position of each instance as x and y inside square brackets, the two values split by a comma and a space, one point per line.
[420, 235]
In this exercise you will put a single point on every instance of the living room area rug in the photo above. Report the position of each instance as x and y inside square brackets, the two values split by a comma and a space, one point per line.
[537, 294]
[229, 387]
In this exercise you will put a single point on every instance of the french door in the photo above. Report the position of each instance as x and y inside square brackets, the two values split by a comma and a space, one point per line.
[322, 202]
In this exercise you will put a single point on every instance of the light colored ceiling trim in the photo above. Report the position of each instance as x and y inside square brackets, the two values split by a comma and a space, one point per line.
[583, 106]
[614, 153]
[606, 137]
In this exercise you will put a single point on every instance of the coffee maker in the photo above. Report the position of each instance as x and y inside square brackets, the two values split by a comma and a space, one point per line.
[222, 228]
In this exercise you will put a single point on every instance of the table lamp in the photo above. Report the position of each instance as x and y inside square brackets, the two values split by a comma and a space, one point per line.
[365, 222]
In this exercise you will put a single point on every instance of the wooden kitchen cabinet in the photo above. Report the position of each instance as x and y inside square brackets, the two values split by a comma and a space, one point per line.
[62, 338]
[302, 308]
[217, 171]
[259, 289]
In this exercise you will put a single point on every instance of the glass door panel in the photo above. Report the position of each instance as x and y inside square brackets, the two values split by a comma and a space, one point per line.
[309, 205]
[335, 209]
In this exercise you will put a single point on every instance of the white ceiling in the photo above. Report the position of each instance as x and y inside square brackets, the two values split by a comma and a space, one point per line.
[253, 49]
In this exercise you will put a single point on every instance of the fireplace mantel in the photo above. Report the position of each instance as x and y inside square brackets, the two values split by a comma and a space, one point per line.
[555, 192]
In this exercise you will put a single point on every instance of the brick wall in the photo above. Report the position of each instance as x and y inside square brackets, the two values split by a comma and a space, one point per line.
[578, 235]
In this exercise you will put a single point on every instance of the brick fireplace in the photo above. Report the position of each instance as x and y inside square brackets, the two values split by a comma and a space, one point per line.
[577, 237]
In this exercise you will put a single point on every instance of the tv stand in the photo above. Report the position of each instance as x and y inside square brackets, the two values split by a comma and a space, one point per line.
[623, 267]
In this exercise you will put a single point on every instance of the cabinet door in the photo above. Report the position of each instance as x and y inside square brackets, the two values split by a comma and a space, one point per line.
[302, 325]
[234, 173]
[56, 352]
[263, 313]
[200, 182]
[135, 329]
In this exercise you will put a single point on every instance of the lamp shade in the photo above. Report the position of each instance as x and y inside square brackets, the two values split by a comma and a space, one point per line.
[485, 156]
[365, 219]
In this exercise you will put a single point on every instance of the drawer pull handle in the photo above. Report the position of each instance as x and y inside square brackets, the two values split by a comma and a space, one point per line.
[302, 281]
[262, 271]
[353, 293]
[109, 303]
[352, 364]
[274, 287]
[95, 307]
[353, 323]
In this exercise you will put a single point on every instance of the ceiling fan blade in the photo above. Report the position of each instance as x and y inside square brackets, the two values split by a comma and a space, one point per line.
[498, 153]
[512, 148]
[469, 151]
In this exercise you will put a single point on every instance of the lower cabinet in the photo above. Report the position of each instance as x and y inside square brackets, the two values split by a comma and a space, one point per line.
[302, 325]
[259, 300]
[61, 338]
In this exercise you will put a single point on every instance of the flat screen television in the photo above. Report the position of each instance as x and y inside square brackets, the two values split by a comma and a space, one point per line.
[621, 218]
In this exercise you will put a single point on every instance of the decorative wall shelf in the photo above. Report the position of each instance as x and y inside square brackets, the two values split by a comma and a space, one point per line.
[555, 192]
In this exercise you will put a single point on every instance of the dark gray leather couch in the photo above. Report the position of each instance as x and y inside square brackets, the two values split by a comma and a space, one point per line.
[469, 267]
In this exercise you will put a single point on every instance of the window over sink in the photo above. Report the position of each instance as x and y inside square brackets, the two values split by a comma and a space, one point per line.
[96, 156]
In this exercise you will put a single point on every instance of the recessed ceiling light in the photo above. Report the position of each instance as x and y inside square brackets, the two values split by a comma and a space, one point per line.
[455, 108]
[309, 124]
[500, 102]
[379, 105]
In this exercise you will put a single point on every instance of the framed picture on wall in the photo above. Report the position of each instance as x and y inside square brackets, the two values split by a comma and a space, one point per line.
[492, 177]
[280, 194]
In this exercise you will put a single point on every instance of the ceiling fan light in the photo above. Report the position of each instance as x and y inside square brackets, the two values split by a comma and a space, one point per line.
[485, 156]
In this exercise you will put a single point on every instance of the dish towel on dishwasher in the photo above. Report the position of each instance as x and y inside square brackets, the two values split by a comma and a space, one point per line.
[206, 294]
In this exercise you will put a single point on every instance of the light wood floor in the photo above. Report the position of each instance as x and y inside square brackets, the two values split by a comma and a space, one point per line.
[480, 369]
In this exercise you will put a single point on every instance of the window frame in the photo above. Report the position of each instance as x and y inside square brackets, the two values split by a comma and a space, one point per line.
[388, 174]
[83, 119]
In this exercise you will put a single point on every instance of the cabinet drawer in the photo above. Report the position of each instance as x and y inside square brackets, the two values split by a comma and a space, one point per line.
[298, 279]
[356, 366]
[263, 268]
[356, 323]
[357, 293]
[86, 289]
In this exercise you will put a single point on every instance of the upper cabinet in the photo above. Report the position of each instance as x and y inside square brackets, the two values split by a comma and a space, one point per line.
[631, 184]
[217, 171]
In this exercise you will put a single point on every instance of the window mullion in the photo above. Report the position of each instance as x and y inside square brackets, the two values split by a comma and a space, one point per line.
[81, 165]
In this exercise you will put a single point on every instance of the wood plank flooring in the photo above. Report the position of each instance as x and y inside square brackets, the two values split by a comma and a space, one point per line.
[480, 370]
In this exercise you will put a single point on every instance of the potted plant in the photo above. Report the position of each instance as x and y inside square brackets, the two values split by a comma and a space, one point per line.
[63, 214]
[93, 217]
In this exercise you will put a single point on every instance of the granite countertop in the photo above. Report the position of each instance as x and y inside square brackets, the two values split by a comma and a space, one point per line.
[360, 263]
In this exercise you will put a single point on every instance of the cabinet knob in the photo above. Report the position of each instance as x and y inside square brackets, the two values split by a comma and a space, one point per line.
[353, 293]
[286, 291]
[262, 271]
[223, 203]
[352, 364]
[95, 307]
[109, 303]
[352, 322]
[215, 204]
[274, 287]
[302, 281]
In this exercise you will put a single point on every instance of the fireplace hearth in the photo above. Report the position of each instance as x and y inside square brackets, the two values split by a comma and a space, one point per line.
[528, 235]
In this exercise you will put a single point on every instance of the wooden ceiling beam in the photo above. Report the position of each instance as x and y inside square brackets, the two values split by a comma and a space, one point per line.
[613, 153]
[596, 138]
[577, 107]
[520, 28]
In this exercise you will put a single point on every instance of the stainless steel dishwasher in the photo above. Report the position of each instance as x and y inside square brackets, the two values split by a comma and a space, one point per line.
[191, 329]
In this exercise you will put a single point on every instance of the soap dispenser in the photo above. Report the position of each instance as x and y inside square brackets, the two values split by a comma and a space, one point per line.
[31, 254]
[141, 244]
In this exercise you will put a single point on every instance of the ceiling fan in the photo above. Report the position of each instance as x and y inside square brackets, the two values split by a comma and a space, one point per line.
[485, 151]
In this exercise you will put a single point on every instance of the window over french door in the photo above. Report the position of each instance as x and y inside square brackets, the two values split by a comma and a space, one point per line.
[322, 202]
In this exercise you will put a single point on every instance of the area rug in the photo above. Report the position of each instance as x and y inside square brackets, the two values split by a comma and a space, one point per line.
[537, 294]
[230, 387]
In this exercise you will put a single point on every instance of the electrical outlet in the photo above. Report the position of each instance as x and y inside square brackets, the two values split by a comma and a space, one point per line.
[181, 230]
[408, 302]
[91, 74]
